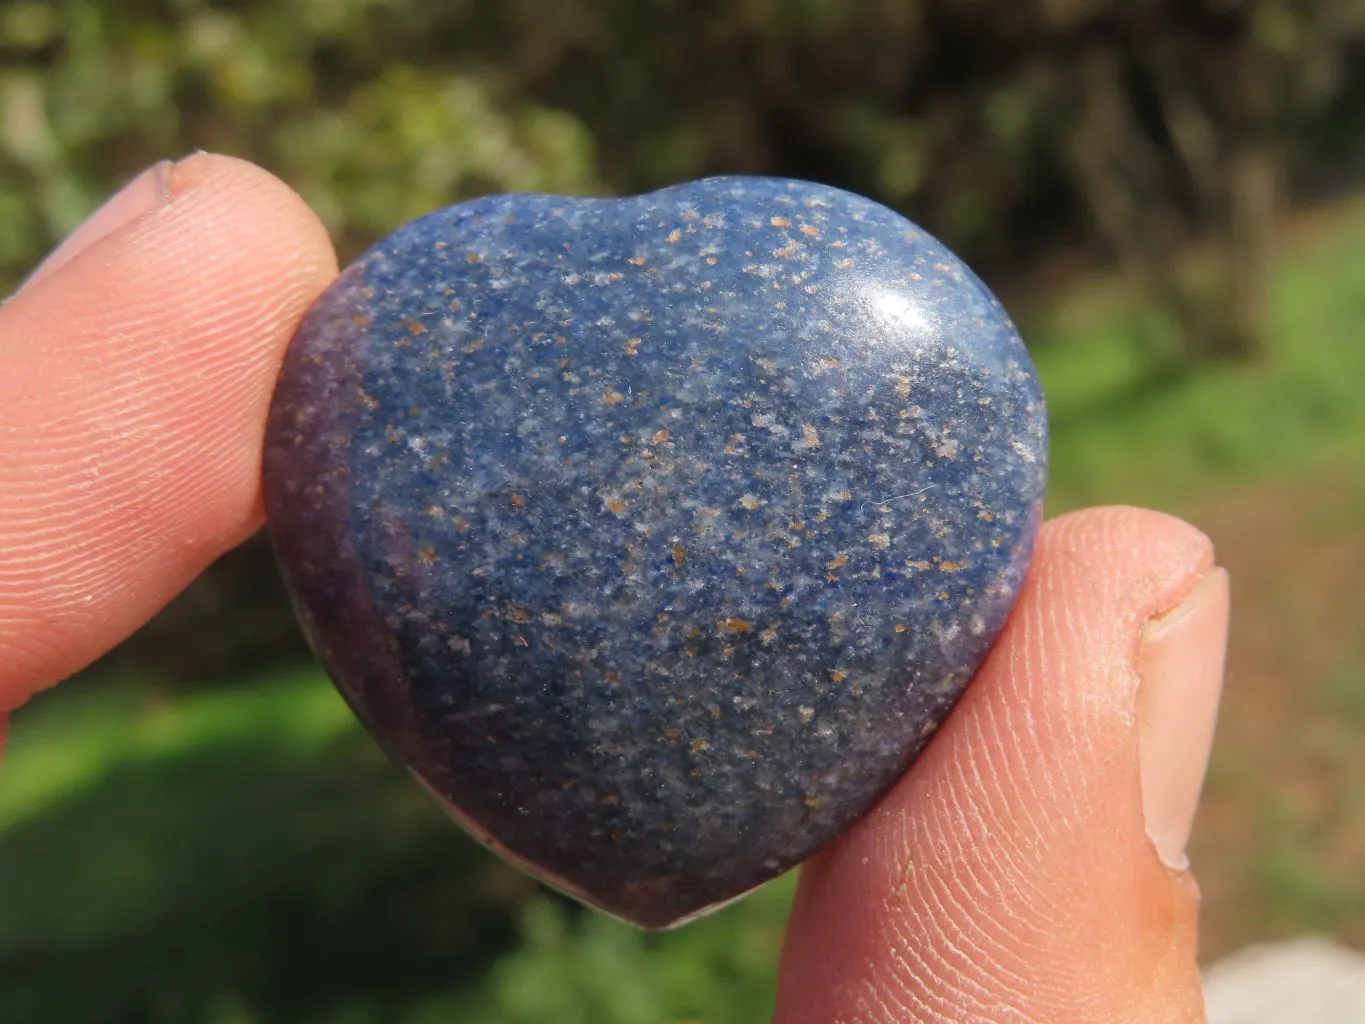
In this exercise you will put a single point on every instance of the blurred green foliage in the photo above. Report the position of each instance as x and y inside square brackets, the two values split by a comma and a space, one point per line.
[238, 853]
[967, 113]
[246, 854]
[314, 90]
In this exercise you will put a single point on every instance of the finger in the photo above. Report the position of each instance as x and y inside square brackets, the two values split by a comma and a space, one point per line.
[138, 364]
[1030, 866]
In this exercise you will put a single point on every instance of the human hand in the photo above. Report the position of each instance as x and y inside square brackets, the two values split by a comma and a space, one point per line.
[1029, 868]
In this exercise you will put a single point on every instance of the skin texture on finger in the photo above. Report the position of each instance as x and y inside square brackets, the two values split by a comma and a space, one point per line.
[1009, 876]
[132, 408]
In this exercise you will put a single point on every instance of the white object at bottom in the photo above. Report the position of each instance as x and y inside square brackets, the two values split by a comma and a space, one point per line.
[1310, 980]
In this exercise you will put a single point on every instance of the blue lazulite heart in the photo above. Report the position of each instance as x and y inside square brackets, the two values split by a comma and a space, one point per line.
[656, 535]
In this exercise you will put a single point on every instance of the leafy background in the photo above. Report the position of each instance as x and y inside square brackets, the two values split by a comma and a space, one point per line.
[1166, 193]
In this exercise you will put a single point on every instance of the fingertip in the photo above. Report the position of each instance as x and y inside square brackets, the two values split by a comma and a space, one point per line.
[231, 181]
[1159, 554]
[202, 210]
[132, 410]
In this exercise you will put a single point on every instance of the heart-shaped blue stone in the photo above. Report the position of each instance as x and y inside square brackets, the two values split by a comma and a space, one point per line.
[656, 535]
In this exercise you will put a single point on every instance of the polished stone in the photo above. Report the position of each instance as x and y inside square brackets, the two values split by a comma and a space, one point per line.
[656, 536]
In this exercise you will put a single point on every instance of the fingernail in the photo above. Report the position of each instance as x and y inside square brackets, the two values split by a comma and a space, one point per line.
[1180, 665]
[145, 193]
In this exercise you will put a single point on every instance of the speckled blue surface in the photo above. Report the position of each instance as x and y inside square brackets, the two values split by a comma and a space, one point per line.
[656, 536]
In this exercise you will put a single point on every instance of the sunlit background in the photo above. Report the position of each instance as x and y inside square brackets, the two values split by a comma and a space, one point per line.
[1168, 194]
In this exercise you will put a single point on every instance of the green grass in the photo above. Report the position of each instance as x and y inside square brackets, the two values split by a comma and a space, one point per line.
[245, 854]
[1119, 437]
[65, 749]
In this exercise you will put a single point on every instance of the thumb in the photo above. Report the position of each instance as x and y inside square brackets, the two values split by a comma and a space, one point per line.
[1031, 867]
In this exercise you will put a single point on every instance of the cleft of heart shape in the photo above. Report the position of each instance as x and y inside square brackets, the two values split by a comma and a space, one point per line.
[656, 536]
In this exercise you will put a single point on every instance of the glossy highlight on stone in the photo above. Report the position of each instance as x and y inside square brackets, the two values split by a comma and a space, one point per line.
[657, 535]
